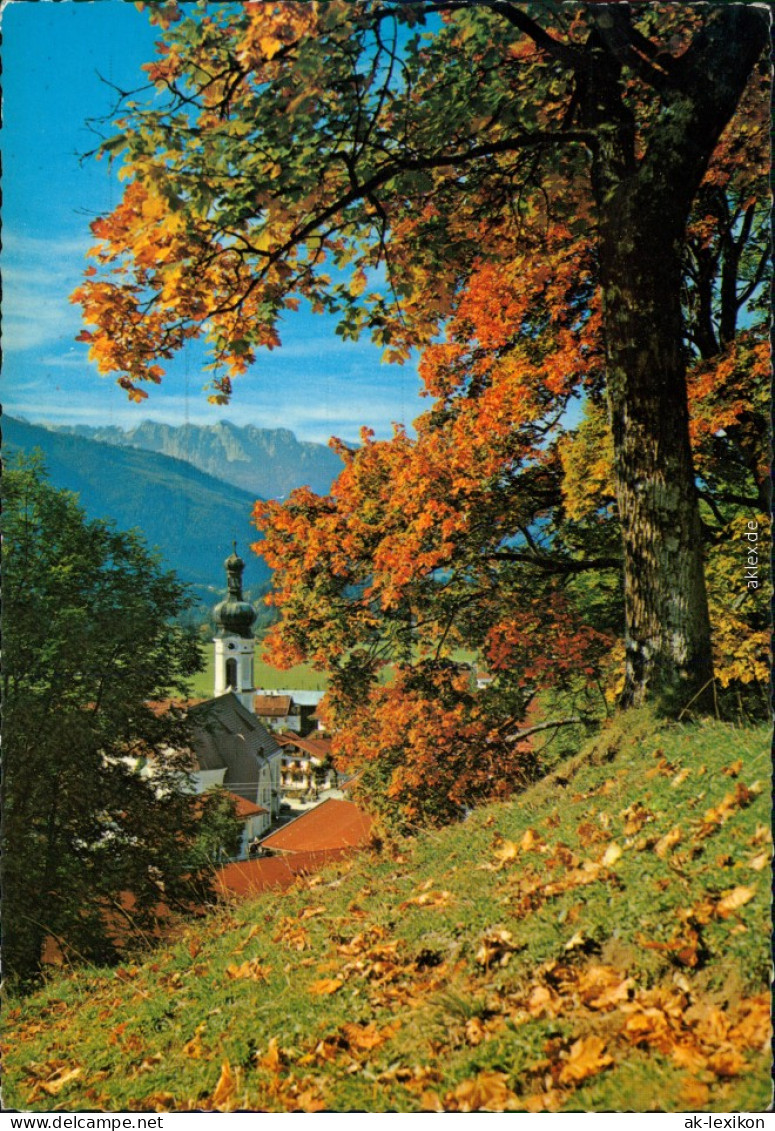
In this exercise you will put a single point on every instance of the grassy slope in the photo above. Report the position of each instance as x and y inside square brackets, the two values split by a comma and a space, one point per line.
[601, 943]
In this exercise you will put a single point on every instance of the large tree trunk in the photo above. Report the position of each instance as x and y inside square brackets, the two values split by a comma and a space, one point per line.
[643, 208]
[668, 649]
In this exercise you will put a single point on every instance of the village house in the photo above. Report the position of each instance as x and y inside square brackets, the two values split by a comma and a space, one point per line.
[307, 769]
[288, 710]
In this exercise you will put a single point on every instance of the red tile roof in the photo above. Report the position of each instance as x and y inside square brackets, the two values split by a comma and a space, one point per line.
[249, 877]
[272, 706]
[333, 824]
[243, 808]
[317, 747]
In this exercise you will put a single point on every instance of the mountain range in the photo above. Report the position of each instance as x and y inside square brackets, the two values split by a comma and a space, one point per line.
[190, 515]
[268, 462]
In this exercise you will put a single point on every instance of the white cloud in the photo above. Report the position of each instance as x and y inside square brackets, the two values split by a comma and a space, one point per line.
[38, 277]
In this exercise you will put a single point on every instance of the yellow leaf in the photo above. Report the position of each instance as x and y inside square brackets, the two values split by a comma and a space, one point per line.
[668, 842]
[429, 899]
[695, 1093]
[358, 283]
[506, 852]
[272, 1058]
[56, 1082]
[680, 778]
[759, 862]
[611, 855]
[735, 899]
[270, 45]
[529, 840]
[311, 912]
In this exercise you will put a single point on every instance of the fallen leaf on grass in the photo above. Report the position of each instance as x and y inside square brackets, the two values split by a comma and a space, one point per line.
[272, 1058]
[325, 986]
[311, 912]
[717, 815]
[251, 969]
[496, 948]
[415, 1078]
[734, 900]
[290, 934]
[759, 862]
[602, 987]
[733, 769]
[611, 855]
[635, 817]
[695, 1093]
[587, 1057]
[680, 778]
[727, 1062]
[254, 930]
[57, 1080]
[224, 1097]
[504, 852]
[367, 1037]
[666, 843]
[194, 1047]
[488, 1091]
[544, 1002]
[429, 899]
[755, 1029]
[150, 1063]
[157, 1101]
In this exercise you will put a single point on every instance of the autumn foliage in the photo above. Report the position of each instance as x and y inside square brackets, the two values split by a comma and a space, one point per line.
[568, 219]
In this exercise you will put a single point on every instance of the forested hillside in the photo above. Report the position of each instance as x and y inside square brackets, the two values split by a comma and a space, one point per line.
[190, 516]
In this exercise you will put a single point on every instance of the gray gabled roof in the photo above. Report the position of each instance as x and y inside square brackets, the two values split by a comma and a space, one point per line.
[226, 735]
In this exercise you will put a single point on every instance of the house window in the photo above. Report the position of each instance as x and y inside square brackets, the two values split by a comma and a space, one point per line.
[231, 673]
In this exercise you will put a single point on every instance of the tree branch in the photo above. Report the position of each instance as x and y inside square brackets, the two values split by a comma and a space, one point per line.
[556, 565]
[573, 720]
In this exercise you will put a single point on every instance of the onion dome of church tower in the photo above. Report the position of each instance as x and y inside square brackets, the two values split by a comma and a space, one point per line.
[234, 616]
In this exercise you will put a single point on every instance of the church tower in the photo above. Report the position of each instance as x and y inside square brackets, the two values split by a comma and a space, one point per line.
[233, 638]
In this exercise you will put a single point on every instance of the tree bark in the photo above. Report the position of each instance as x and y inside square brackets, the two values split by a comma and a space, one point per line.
[643, 208]
[667, 640]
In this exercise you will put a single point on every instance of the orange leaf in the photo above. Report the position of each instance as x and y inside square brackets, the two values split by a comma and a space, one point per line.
[587, 1057]
[486, 1092]
[251, 969]
[223, 1098]
[368, 1036]
[272, 1058]
[325, 986]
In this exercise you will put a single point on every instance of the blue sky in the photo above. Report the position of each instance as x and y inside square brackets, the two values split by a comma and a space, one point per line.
[53, 56]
